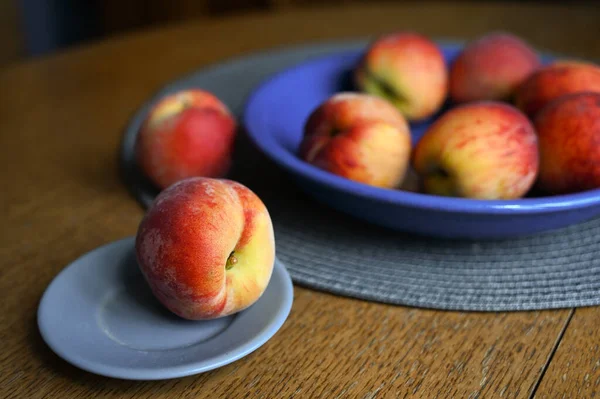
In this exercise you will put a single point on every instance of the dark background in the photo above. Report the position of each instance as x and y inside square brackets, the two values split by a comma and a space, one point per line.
[30, 28]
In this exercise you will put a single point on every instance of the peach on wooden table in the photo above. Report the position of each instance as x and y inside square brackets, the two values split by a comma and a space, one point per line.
[188, 133]
[206, 247]
[360, 137]
[480, 150]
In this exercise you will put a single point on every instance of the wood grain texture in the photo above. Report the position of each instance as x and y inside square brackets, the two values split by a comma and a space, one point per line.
[575, 368]
[61, 119]
[333, 348]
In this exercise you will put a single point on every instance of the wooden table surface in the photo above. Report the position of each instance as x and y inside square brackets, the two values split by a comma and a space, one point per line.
[61, 120]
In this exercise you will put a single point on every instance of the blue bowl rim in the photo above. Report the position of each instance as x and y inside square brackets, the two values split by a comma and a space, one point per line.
[292, 163]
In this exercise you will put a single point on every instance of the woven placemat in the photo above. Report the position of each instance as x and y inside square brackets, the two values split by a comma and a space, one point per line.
[326, 250]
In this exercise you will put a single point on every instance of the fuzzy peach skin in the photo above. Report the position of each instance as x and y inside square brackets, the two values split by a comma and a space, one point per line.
[483, 150]
[360, 137]
[569, 141]
[206, 248]
[555, 80]
[189, 133]
[408, 70]
[491, 68]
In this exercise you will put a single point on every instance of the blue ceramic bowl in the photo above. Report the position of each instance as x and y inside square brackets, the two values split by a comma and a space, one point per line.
[274, 117]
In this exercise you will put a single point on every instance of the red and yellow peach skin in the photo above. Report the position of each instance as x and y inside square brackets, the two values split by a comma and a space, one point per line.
[186, 134]
[491, 68]
[555, 80]
[358, 136]
[569, 141]
[408, 70]
[480, 150]
[206, 247]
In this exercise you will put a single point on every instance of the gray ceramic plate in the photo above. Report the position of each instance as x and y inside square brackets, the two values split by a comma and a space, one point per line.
[100, 315]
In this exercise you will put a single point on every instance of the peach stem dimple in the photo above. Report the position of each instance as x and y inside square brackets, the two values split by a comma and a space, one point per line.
[384, 89]
[335, 131]
[231, 261]
[439, 181]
